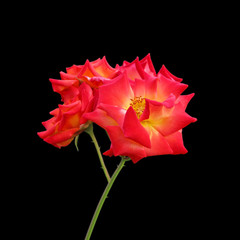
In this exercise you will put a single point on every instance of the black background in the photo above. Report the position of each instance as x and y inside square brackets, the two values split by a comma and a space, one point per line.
[54, 192]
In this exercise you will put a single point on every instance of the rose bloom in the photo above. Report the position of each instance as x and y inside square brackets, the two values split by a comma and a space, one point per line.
[68, 120]
[78, 89]
[143, 112]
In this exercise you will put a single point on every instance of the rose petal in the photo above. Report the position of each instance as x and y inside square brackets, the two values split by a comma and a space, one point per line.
[134, 69]
[88, 70]
[133, 129]
[184, 100]
[175, 141]
[166, 73]
[147, 65]
[103, 68]
[117, 93]
[101, 118]
[160, 145]
[61, 139]
[171, 120]
[122, 146]
[166, 86]
[116, 113]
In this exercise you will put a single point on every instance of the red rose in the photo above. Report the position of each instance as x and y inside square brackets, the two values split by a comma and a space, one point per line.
[143, 112]
[68, 120]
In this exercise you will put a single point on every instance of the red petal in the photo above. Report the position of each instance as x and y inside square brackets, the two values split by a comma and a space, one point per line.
[62, 139]
[109, 152]
[151, 85]
[175, 141]
[74, 70]
[66, 76]
[134, 69]
[103, 68]
[147, 65]
[166, 73]
[159, 146]
[47, 133]
[184, 100]
[122, 146]
[116, 113]
[133, 129]
[139, 88]
[88, 71]
[117, 92]
[60, 85]
[100, 117]
[85, 95]
[68, 89]
[166, 86]
[172, 120]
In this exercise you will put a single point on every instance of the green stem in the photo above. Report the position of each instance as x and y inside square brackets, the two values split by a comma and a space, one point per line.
[103, 198]
[89, 130]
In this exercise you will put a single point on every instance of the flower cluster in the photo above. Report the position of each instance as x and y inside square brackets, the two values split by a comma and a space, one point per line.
[142, 111]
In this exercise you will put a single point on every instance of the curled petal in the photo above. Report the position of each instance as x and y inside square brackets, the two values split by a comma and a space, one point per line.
[71, 115]
[66, 76]
[101, 118]
[85, 95]
[167, 74]
[175, 141]
[103, 68]
[74, 70]
[134, 69]
[88, 70]
[154, 110]
[166, 86]
[172, 120]
[61, 85]
[55, 112]
[151, 85]
[48, 132]
[133, 129]
[122, 146]
[147, 65]
[115, 112]
[117, 93]
[184, 100]
[160, 145]
[61, 139]
[139, 87]
[68, 89]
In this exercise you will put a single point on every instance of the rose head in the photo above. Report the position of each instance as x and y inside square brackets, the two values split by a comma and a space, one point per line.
[68, 120]
[143, 112]
[78, 89]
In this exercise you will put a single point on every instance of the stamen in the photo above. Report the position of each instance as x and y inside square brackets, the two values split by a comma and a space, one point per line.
[138, 104]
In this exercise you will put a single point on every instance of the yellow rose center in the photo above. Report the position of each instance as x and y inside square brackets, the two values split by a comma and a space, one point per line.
[138, 104]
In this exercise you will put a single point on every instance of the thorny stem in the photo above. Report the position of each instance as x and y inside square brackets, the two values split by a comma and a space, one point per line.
[104, 196]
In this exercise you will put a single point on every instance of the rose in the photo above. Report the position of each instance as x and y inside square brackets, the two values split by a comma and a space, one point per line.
[68, 120]
[75, 90]
[143, 112]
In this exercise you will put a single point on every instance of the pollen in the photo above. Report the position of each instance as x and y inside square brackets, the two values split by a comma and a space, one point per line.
[138, 104]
